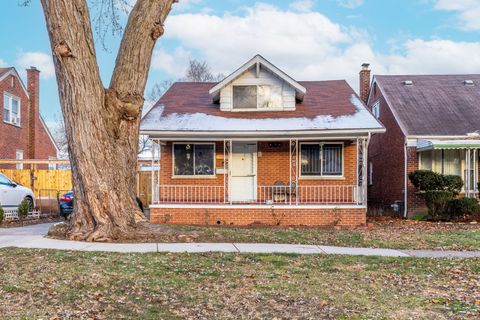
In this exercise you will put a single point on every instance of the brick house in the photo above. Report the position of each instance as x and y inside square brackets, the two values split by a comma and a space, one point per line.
[23, 133]
[260, 148]
[432, 123]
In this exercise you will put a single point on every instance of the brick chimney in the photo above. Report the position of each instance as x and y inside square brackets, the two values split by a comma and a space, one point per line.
[33, 87]
[365, 82]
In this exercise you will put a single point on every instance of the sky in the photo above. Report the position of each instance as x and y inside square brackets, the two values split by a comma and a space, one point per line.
[308, 39]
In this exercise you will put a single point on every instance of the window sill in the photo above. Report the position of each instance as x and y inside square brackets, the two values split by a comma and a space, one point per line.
[12, 124]
[195, 177]
[321, 178]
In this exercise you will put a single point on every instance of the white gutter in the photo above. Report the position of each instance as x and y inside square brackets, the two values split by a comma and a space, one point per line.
[261, 133]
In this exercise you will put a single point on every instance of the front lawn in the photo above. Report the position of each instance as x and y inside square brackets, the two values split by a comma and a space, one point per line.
[45, 284]
[394, 233]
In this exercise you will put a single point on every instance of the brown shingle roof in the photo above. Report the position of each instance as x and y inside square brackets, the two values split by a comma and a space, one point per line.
[434, 105]
[327, 105]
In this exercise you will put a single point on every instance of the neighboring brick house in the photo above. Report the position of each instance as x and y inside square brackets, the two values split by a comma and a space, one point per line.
[432, 123]
[23, 133]
[260, 148]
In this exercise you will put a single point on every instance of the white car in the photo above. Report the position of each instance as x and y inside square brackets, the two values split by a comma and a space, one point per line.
[12, 193]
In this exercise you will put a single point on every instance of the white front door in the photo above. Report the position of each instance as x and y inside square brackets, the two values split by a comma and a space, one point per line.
[243, 174]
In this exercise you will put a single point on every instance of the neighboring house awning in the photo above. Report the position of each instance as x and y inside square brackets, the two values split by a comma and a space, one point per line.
[448, 144]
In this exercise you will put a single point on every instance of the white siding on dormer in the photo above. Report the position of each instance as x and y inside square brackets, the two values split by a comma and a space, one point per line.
[281, 95]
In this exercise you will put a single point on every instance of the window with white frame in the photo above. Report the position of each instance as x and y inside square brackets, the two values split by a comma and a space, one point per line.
[19, 156]
[257, 96]
[11, 109]
[193, 159]
[376, 109]
[321, 159]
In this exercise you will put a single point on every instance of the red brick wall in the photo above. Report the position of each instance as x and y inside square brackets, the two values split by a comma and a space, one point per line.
[248, 216]
[272, 166]
[14, 138]
[415, 201]
[386, 153]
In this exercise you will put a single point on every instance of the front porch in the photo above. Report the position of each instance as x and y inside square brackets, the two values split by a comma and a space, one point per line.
[314, 181]
[452, 157]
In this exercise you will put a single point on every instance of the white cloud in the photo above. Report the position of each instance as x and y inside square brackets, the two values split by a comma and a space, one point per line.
[40, 60]
[306, 45]
[2, 63]
[185, 4]
[468, 12]
[435, 56]
[350, 4]
[302, 5]
[174, 65]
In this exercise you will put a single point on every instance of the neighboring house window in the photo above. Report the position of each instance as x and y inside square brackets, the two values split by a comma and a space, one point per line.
[376, 109]
[442, 161]
[19, 156]
[193, 159]
[11, 109]
[321, 159]
[370, 174]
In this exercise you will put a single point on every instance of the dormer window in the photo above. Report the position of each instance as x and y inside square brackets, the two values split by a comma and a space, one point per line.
[258, 86]
[245, 97]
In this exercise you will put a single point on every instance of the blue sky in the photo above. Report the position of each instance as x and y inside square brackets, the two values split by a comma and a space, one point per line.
[309, 39]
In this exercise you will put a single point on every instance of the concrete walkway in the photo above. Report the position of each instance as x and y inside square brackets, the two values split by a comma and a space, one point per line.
[33, 237]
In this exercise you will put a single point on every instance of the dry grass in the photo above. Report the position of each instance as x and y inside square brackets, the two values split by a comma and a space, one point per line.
[45, 284]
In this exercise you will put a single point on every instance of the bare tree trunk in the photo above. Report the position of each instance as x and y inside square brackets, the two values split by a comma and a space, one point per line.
[102, 124]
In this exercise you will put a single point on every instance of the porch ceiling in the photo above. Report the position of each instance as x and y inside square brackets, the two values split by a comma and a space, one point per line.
[448, 144]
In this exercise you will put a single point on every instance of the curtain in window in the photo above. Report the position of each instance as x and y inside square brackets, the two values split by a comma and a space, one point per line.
[310, 158]
[426, 160]
[437, 163]
[332, 160]
[322, 161]
[452, 163]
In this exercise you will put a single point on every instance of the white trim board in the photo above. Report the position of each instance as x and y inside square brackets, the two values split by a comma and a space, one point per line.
[13, 72]
[254, 206]
[256, 61]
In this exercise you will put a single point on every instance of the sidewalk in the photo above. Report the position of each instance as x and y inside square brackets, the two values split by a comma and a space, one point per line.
[33, 237]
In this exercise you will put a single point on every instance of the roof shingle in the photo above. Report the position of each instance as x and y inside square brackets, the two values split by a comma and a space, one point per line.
[434, 105]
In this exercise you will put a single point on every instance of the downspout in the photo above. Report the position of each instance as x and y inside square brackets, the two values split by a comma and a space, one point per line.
[405, 200]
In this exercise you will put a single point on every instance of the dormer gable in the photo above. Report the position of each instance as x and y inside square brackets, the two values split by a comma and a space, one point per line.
[258, 85]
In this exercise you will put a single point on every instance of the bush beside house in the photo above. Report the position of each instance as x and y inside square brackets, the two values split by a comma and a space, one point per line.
[2, 214]
[441, 195]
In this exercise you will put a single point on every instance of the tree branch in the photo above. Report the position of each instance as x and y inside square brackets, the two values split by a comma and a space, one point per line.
[144, 27]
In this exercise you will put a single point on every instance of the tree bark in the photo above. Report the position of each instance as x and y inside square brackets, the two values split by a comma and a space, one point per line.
[102, 124]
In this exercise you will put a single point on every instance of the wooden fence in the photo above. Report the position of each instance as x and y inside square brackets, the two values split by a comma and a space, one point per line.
[41, 179]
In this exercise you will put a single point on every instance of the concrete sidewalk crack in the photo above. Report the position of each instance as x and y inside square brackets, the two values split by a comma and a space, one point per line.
[233, 244]
[323, 251]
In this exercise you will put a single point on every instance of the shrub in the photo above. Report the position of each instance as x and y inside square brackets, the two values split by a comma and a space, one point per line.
[2, 214]
[438, 203]
[465, 208]
[23, 209]
[426, 180]
[452, 183]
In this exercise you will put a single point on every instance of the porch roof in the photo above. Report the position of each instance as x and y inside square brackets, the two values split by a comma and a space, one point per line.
[448, 144]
